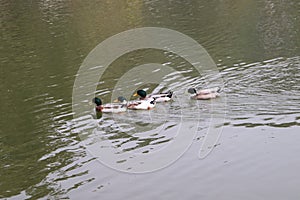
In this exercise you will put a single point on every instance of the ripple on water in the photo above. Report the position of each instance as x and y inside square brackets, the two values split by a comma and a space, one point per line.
[265, 90]
[258, 94]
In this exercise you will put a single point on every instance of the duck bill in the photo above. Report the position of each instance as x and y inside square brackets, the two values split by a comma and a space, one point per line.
[116, 100]
[135, 95]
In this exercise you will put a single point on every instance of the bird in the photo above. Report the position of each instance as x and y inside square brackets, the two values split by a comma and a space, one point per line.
[205, 94]
[119, 105]
[141, 104]
[159, 97]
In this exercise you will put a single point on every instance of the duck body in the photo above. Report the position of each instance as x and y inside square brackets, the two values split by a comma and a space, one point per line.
[162, 97]
[113, 108]
[121, 106]
[205, 94]
[142, 104]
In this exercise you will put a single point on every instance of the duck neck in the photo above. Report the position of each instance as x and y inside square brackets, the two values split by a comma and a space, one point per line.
[99, 108]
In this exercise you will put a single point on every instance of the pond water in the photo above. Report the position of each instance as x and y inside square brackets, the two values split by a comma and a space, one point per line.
[45, 152]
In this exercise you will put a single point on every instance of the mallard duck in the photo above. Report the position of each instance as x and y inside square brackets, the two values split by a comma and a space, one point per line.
[142, 104]
[205, 94]
[160, 97]
[120, 106]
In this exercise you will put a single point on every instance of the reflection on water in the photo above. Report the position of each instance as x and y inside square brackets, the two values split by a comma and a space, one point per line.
[256, 47]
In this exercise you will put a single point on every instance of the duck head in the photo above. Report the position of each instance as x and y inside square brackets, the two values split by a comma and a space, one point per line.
[141, 93]
[192, 91]
[121, 99]
[97, 101]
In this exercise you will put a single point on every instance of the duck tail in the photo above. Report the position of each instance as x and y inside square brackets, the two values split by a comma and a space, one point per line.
[219, 89]
[170, 94]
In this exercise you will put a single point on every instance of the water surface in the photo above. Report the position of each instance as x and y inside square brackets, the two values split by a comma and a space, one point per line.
[255, 45]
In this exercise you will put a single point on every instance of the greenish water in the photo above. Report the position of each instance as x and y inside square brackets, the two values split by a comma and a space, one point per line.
[255, 45]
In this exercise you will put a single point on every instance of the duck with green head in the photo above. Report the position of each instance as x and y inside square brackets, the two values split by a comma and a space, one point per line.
[98, 103]
[143, 103]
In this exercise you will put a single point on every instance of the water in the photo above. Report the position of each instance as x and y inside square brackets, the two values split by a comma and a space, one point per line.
[255, 45]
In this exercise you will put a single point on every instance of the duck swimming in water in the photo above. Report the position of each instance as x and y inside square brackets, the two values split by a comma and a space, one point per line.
[160, 97]
[120, 106]
[204, 94]
[143, 103]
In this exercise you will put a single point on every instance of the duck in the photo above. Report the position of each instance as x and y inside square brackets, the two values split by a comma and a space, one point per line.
[205, 94]
[143, 103]
[119, 105]
[160, 97]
